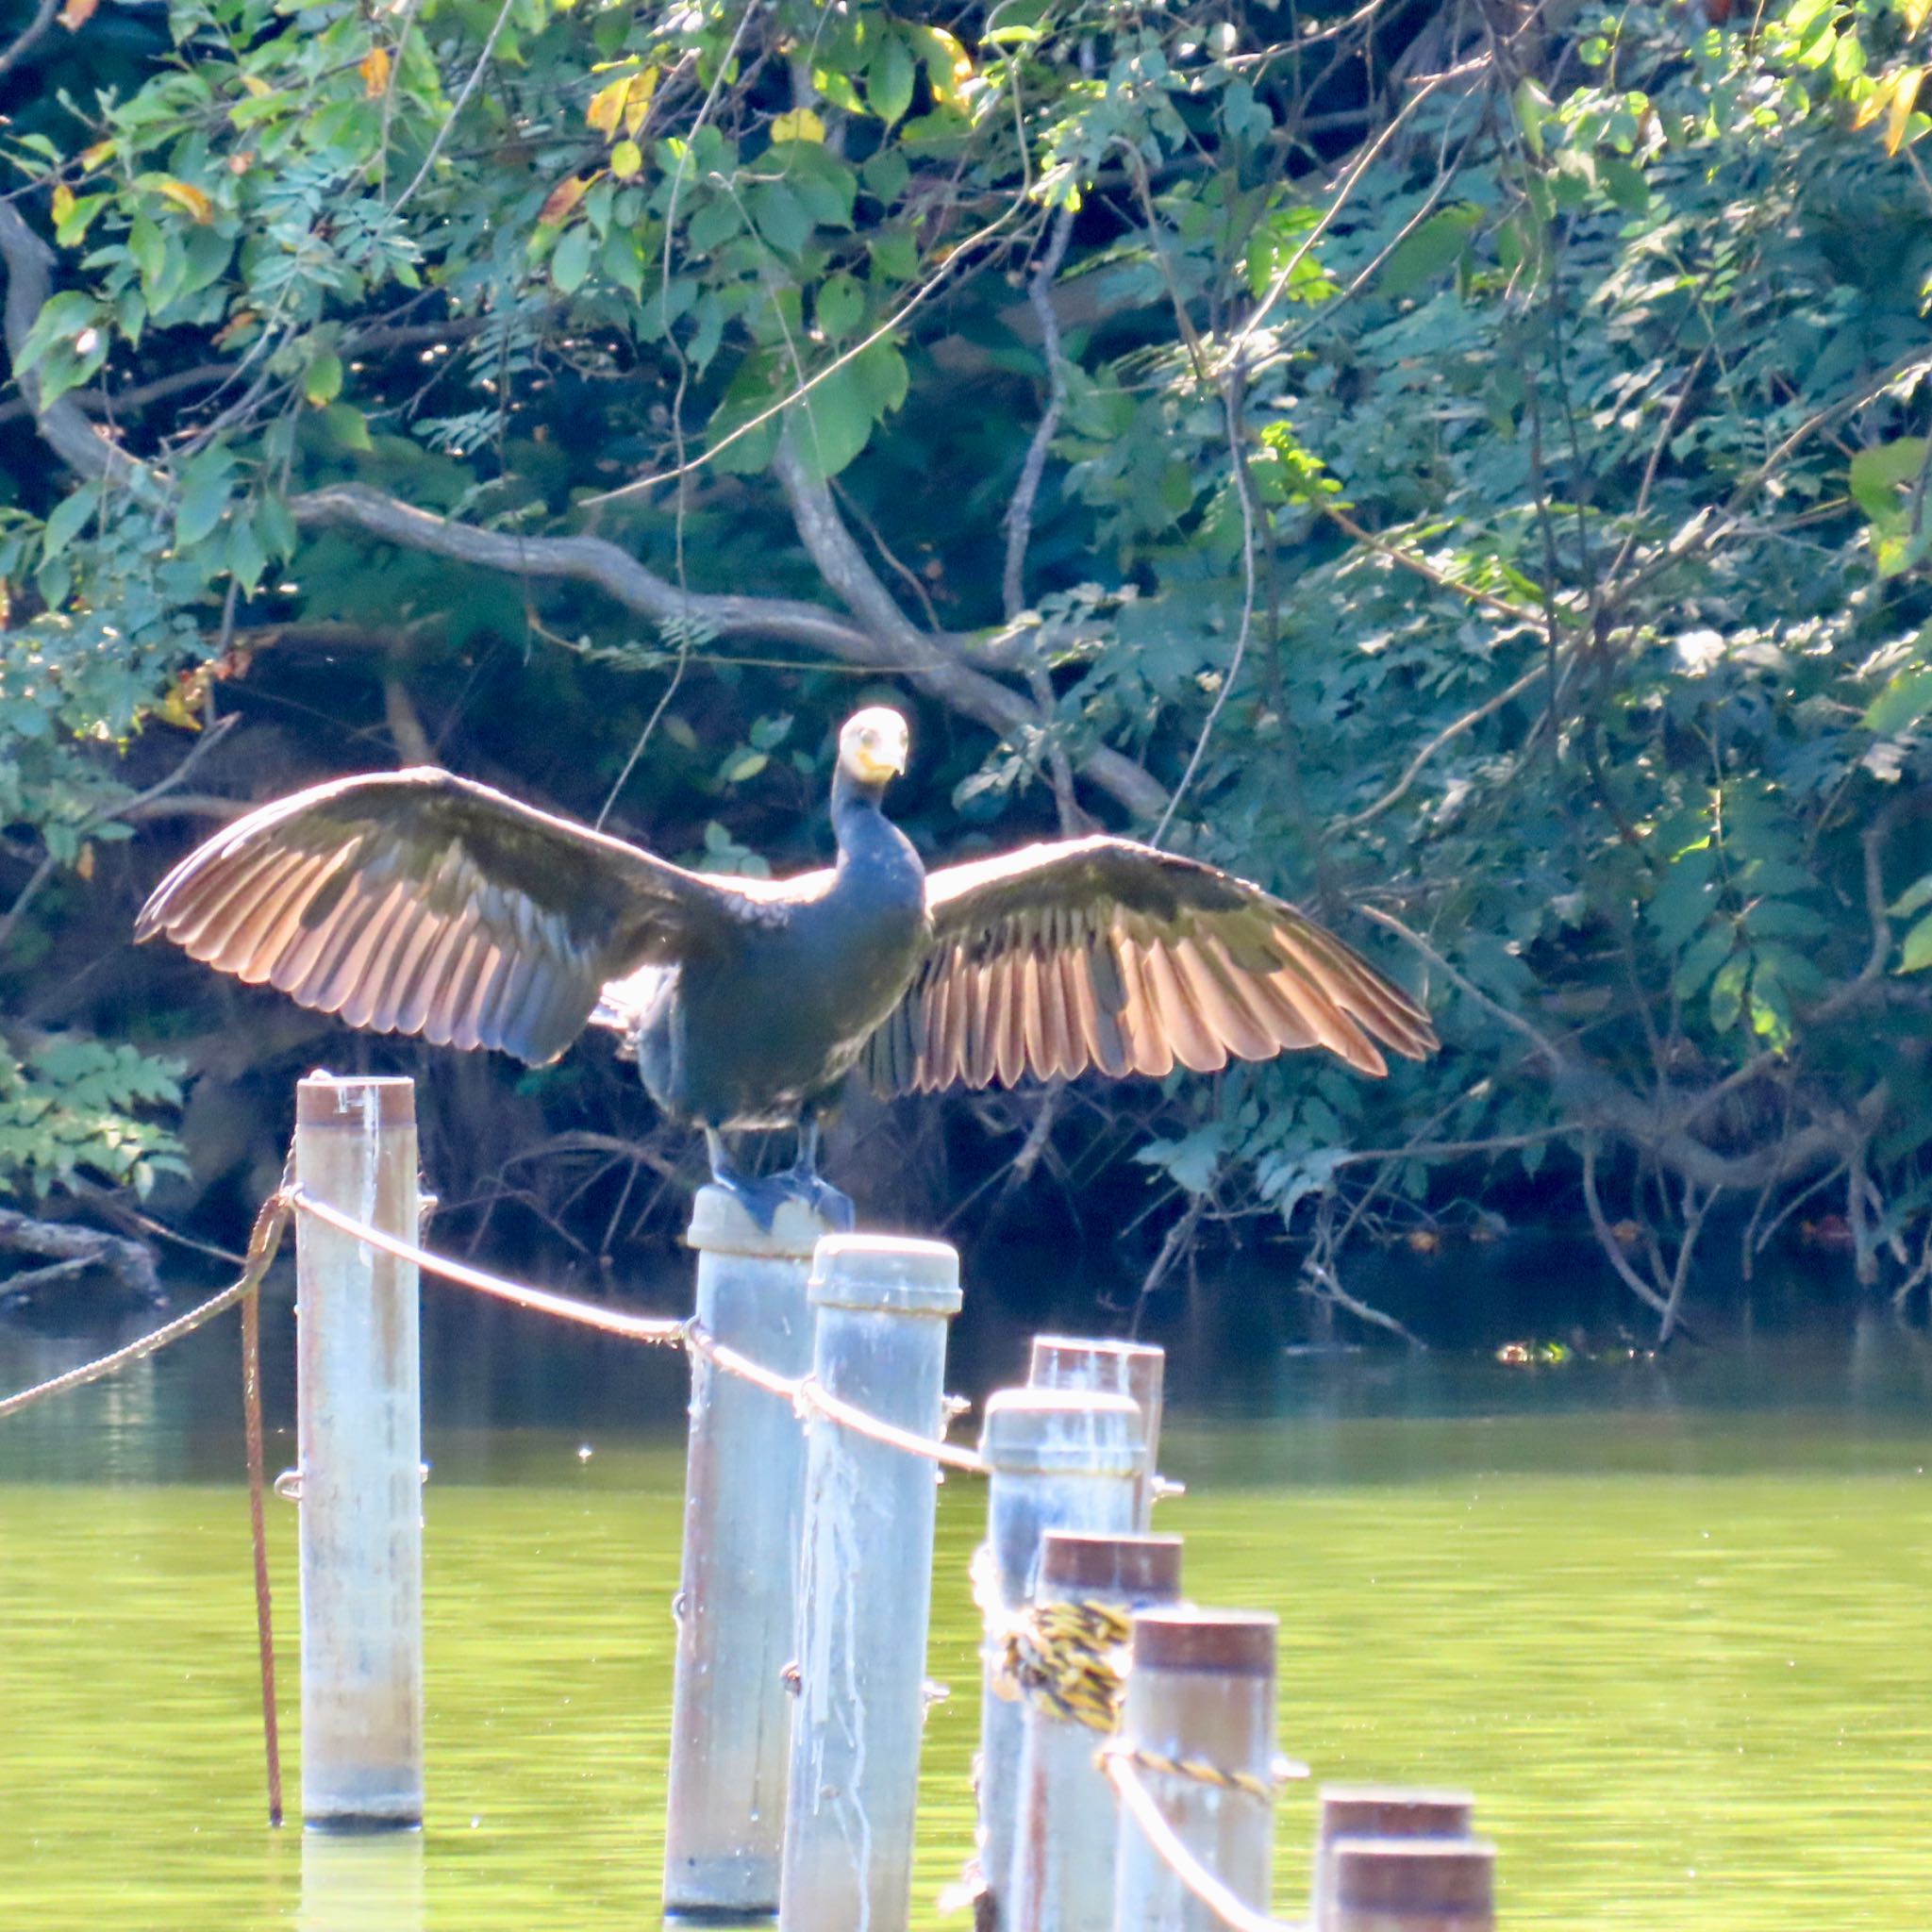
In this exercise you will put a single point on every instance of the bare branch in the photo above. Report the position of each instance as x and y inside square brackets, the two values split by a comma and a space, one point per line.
[31, 36]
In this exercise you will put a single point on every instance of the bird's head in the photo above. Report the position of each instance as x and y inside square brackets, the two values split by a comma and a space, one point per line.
[872, 746]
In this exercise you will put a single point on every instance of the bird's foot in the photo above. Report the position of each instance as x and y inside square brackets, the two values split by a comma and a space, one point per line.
[831, 1206]
[762, 1198]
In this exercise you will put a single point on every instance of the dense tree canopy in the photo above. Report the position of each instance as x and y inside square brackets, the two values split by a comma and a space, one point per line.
[1464, 460]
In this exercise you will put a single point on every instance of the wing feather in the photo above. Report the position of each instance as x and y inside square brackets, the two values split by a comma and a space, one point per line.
[421, 902]
[1102, 954]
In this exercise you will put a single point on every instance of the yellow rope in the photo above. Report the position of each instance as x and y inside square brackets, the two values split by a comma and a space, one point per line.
[1253, 1784]
[1066, 1657]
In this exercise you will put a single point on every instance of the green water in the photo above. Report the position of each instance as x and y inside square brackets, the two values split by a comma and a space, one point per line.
[1667, 1622]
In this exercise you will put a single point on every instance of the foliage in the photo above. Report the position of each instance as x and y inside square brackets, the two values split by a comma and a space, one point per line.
[1491, 492]
[70, 1107]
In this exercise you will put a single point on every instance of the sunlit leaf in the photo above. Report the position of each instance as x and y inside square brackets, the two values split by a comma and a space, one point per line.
[185, 196]
[800, 125]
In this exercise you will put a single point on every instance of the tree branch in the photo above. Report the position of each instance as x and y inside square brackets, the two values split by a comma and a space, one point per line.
[883, 639]
[922, 659]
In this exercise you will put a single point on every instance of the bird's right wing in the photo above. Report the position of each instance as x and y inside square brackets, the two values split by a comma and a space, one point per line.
[418, 902]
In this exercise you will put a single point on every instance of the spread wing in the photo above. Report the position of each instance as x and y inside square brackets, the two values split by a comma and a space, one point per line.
[1101, 953]
[420, 902]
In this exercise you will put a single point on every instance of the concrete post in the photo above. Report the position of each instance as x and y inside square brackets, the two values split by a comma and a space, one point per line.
[1201, 1686]
[1114, 1368]
[1057, 1458]
[1379, 1811]
[358, 1434]
[865, 1585]
[1068, 1827]
[1412, 1885]
[731, 1719]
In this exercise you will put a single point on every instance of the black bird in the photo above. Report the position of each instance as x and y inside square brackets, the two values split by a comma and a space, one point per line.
[418, 902]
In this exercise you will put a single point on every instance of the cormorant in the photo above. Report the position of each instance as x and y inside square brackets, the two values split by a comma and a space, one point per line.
[418, 902]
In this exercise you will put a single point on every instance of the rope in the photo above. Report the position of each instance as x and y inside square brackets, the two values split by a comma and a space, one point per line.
[804, 1393]
[659, 1329]
[1123, 1768]
[1201, 1771]
[1065, 1657]
[262, 1244]
[808, 1396]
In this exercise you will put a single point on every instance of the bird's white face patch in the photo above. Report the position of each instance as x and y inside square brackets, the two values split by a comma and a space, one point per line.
[874, 745]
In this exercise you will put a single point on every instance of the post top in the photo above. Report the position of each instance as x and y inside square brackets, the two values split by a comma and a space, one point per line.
[1054, 1351]
[359, 1101]
[720, 1224]
[1440, 1875]
[1039, 1431]
[1231, 1643]
[891, 1273]
[1371, 1811]
[1147, 1568]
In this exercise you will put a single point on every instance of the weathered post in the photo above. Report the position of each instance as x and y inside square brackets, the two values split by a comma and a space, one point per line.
[865, 1584]
[358, 1436]
[1068, 1829]
[1412, 1885]
[730, 1717]
[1202, 1690]
[1380, 1811]
[1057, 1458]
[1116, 1368]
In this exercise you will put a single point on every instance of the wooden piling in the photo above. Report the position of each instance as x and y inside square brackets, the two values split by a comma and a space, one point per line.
[1118, 1368]
[1201, 1690]
[865, 1585]
[1068, 1829]
[1057, 1458]
[1379, 1811]
[359, 1432]
[731, 1718]
[1412, 1885]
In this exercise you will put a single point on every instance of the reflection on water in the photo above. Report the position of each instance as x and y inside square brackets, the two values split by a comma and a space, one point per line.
[1666, 1619]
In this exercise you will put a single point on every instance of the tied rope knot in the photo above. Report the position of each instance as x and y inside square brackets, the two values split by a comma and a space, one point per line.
[1066, 1657]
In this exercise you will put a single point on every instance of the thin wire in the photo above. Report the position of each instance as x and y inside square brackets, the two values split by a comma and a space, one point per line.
[1125, 1776]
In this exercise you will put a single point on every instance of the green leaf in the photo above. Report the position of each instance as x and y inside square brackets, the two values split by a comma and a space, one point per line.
[68, 518]
[841, 304]
[888, 79]
[780, 216]
[1915, 898]
[1432, 251]
[348, 426]
[1705, 955]
[1876, 473]
[571, 263]
[1902, 703]
[742, 765]
[146, 249]
[832, 423]
[204, 496]
[1727, 993]
[324, 382]
[1915, 950]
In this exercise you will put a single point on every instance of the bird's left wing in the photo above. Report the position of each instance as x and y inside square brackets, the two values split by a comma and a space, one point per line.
[1101, 953]
[418, 902]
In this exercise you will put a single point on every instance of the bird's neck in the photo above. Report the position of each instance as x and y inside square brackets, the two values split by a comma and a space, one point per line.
[866, 836]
